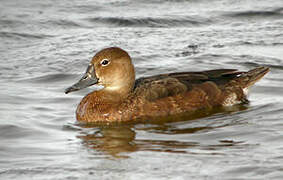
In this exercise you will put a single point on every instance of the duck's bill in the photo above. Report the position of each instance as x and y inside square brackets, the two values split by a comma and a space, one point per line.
[88, 79]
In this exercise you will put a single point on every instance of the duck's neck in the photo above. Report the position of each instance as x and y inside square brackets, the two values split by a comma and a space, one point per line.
[112, 95]
[118, 90]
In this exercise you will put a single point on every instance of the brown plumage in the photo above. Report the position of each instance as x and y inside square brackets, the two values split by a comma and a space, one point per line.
[124, 99]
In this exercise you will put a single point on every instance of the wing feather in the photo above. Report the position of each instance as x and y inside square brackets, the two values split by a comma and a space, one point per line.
[165, 85]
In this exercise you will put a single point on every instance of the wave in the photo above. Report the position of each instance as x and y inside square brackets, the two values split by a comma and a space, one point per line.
[4, 34]
[49, 78]
[10, 131]
[148, 21]
[278, 12]
[64, 23]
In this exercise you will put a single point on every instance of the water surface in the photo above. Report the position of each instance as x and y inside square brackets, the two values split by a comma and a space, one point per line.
[45, 46]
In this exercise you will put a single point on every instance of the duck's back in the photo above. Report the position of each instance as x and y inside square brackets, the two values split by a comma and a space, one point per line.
[174, 93]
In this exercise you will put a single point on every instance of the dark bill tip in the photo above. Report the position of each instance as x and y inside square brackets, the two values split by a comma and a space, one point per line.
[71, 89]
[67, 91]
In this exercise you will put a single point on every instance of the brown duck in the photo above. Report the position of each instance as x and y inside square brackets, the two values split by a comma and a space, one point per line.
[125, 99]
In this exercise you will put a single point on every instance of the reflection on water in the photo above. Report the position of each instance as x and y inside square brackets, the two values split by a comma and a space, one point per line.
[120, 139]
[117, 141]
[111, 140]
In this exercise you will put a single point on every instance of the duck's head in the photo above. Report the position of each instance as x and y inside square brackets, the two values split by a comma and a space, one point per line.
[111, 68]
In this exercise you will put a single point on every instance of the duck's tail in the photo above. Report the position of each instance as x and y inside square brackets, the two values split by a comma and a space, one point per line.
[252, 76]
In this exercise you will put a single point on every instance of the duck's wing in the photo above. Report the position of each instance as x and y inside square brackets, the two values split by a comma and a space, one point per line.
[214, 83]
[165, 85]
[192, 77]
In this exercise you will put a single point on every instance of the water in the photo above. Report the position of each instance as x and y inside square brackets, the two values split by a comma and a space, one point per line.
[45, 46]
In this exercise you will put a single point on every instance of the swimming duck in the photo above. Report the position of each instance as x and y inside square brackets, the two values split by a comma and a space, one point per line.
[123, 98]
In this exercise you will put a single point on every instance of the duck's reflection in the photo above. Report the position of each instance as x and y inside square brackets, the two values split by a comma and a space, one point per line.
[111, 140]
[120, 140]
[117, 141]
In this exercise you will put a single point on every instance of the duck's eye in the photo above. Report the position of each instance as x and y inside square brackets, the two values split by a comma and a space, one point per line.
[104, 62]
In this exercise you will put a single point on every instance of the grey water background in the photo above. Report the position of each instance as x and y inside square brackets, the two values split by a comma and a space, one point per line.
[45, 46]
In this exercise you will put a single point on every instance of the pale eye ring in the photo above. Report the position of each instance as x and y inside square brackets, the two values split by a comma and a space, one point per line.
[104, 62]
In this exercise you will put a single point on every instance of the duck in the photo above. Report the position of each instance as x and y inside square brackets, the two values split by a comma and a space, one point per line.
[123, 98]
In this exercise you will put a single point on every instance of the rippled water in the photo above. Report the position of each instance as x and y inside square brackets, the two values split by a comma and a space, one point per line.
[46, 45]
